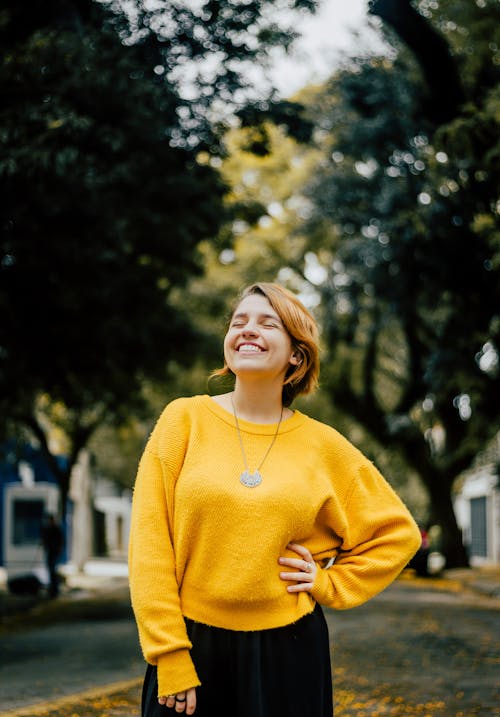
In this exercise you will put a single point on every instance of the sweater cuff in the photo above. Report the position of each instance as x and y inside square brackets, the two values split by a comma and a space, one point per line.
[176, 673]
[322, 590]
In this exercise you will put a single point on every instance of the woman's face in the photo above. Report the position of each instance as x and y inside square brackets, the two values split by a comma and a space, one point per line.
[256, 342]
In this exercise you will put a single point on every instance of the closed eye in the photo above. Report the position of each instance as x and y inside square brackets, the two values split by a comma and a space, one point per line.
[266, 322]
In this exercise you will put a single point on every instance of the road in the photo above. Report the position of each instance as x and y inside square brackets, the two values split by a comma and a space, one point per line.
[417, 652]
[49, 662]
[410, 651]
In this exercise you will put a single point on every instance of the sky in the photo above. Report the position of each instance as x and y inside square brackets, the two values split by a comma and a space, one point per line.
[339, 29]
[326, 37]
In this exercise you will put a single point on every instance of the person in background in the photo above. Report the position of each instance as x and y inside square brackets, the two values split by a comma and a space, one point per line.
[52, 540]
[247, 516]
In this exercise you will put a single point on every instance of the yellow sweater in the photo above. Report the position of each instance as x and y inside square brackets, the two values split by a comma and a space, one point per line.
[206, 547]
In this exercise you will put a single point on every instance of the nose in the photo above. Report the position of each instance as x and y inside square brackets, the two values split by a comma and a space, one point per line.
[249, 329]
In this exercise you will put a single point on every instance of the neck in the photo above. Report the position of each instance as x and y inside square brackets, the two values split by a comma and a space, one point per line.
[257, 403]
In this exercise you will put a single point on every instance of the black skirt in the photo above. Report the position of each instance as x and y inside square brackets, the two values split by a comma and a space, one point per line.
[283, 672]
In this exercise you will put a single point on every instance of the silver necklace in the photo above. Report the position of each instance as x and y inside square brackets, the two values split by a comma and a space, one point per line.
[251, 480]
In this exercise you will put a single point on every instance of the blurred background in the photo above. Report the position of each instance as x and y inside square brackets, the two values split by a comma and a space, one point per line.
[158, 156]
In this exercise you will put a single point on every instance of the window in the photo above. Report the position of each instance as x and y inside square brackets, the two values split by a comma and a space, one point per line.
[479, 543]
[27, 518]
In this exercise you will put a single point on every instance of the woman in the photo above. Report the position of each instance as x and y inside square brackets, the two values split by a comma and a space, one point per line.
[246, 516]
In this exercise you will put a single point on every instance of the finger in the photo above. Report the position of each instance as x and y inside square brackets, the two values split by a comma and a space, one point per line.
[300, 550]
[304, 553]
[180, 702]
[170, 701]
[162, 700]
[297, 577]
[292, 562]
[300, 587]
[190, 701]
[305, 566]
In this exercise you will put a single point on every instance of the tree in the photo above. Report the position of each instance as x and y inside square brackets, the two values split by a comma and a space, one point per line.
[402, 249]
[105, 200]
[277, 245]
[411, 296]
[444, 92]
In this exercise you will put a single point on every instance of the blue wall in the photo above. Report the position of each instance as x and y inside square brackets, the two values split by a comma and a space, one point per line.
[11, 454]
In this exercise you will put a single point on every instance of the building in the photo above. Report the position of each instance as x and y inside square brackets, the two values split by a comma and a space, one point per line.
[477, 507]
[98, 513]
[28, 492]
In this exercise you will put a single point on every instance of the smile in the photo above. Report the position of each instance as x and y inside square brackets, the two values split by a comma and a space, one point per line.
[249, 347]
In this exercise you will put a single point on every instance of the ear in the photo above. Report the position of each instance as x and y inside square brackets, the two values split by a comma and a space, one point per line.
[295, 359]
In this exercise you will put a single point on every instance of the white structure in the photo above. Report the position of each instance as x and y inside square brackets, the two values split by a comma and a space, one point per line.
[24, 506]
[477, 508]
[82, 522]
[115, 503]
[93, 495]
[97, 525]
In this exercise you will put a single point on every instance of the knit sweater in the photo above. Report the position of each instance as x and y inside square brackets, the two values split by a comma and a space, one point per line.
[206, 547]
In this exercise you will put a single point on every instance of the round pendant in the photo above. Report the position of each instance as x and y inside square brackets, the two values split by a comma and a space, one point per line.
[251, 480]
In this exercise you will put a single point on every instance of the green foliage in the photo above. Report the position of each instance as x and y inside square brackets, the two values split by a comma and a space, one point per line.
[203, 47]
[106, 198]
[410, 302]
[97, 216]
[388, 226]
[276, 247]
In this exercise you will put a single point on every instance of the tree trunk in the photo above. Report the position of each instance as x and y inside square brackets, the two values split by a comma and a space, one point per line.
[79, 439]
[412, 446]
[443, 514]
[64, 481]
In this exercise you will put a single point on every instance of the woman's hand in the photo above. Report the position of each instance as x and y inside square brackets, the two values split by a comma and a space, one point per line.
[303, 580]
[182, 701]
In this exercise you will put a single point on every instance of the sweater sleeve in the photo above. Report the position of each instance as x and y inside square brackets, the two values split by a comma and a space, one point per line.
[379, 536]
[153, 585]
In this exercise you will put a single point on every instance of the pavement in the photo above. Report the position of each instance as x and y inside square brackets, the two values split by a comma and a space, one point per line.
[102, 589]
[482, 582]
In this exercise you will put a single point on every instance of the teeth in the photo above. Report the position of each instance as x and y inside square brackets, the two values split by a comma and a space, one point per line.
[249, 347]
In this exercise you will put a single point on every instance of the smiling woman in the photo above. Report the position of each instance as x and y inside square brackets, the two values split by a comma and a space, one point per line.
[267, 312]
[248, 515]
[258, 344]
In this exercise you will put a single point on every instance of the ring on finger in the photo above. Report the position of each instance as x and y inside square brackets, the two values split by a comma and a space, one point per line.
[180, 699]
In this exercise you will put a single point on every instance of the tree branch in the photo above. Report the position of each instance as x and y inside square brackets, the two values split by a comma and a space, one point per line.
[431, 52]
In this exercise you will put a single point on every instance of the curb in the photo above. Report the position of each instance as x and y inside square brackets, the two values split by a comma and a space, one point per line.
[41, 708]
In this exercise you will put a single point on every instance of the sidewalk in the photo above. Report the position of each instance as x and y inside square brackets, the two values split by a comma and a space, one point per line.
[481, 581]
[89, 594]
[121, 699]
[101, 590]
